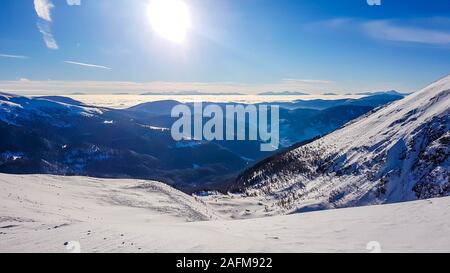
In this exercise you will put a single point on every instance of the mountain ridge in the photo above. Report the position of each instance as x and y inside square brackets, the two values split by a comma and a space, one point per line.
[398, 153]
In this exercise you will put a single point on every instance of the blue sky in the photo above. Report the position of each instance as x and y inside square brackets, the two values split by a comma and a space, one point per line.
[103, 46]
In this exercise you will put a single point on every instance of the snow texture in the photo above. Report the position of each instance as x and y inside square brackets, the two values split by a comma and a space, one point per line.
[39, 213]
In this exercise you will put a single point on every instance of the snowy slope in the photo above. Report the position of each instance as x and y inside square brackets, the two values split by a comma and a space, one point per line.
[14, 109]
[41, 213]
[398, 153]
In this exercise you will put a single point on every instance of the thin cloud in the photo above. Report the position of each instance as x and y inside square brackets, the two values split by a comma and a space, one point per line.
[416, 30]
[13, 56]
[43, 9]
[47, 35]
[74, 2]
[88, 65]
[388, 30]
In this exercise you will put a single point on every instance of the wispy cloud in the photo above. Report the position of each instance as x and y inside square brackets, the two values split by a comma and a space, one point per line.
[88, 65]
[43, 9]
[13, 56]
[389, 30]
[73, 2]
[431, 31]
[47, 35]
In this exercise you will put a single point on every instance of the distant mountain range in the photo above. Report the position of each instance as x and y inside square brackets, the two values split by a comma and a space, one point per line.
[59, 135]
[270, 93]
[320, 104]
[391, 92]
[283, 93]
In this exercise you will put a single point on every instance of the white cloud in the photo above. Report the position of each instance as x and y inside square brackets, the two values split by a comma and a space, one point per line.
[74, 2]
[13, 56]
[49, 40]
[43, 9]
[388, 30]
[88, 65]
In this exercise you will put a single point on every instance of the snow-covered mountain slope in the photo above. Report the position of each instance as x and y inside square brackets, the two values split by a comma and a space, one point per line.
[63, 198]
[14, 109]
[398, 153]
[40, 213]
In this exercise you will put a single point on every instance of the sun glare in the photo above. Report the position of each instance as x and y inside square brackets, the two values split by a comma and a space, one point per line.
[170, 19]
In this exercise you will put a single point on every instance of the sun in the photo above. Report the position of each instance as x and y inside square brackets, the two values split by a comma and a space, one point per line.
[170, 19]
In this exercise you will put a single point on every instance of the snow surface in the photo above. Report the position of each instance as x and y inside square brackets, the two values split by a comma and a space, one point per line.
[39, 213]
